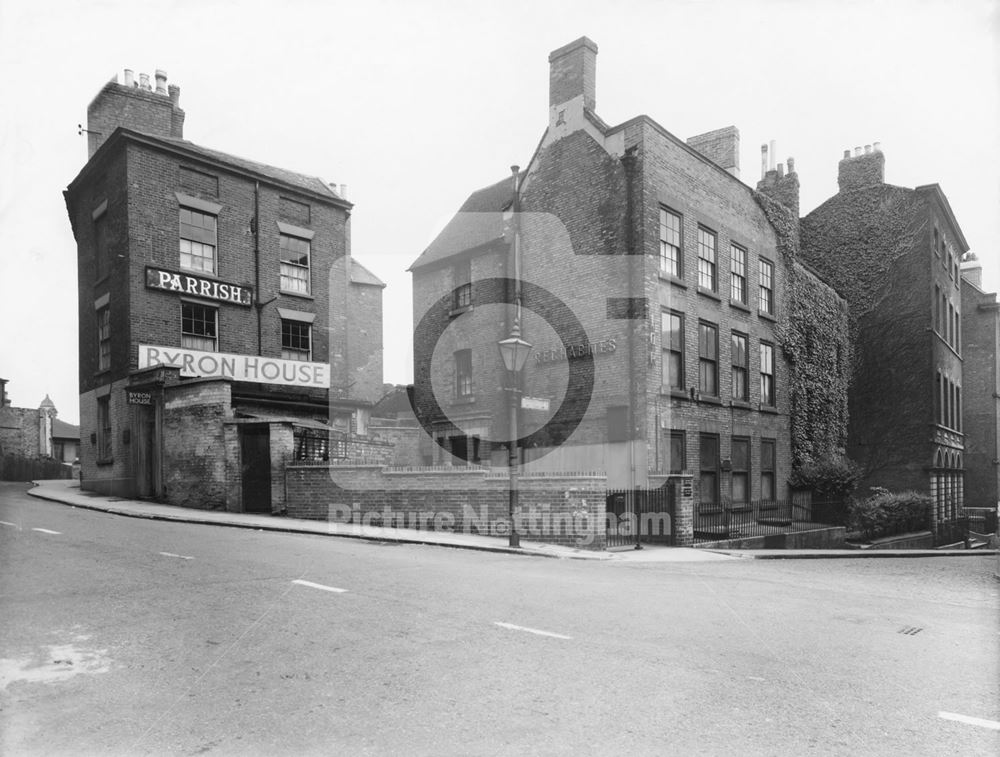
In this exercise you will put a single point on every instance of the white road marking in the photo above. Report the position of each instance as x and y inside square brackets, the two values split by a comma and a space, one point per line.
[171, 554]
[982, 723]
[46, 531]
[535, 631]
[311, 585]
[7, 523]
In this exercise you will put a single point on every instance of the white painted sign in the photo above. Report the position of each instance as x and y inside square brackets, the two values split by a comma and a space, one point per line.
[262, 370]
[534, 403]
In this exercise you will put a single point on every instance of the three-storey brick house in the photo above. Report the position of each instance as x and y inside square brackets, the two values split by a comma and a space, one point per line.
[224, 326]
[655, 297]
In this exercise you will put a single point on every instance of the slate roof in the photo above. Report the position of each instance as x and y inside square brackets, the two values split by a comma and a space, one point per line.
[361, 275]
[478, 222]
[63, 430]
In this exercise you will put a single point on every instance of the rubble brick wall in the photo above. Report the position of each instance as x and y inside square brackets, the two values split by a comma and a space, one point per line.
[194, 445]
[19, 429]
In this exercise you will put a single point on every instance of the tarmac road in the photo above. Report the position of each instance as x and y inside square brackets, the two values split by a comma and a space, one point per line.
[125, 636]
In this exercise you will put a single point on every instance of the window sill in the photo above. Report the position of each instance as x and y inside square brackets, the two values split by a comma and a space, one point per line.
[946, 344]
[709, 294]
[454, 312]
[767, 409]
[737, 305]
[679, 394]
[671, 279]
[102, 280]
[99, 374]
[464, 400]
[767, 316]
[740, 404]
[200, 274]
[710, 400]
[105, 461]
[300, 295]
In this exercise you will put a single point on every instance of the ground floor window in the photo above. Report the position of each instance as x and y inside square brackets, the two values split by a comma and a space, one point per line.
[104, 428]
[741, 471]
[676, 452]
[708, 491]
[767, 469]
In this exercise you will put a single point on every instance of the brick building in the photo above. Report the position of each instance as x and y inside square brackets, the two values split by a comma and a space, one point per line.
[981, 380]
[659, 295]
[894, 253]
[36, 432]
[224, 327]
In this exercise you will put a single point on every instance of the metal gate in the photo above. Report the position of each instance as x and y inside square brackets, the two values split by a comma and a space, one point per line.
[640, 516]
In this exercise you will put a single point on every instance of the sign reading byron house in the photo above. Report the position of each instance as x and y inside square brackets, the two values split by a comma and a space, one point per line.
[261, 370]
[185, 283]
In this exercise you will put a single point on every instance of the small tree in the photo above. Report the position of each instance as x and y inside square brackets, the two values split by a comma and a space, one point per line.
[831, 478]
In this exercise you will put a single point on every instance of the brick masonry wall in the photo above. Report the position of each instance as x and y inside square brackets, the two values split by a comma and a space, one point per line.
[567, 511]
[364, 332]
[981, 389]
[137, 109]
[19, 427]
[194, 444]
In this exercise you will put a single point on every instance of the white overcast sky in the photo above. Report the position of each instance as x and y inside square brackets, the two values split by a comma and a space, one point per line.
[415, 104]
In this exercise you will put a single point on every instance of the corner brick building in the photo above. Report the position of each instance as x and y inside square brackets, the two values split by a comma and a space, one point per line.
[657, 297]
[224, 327]
[894, 253]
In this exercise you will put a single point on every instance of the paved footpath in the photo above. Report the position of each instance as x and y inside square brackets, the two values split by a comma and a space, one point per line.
[68, 492]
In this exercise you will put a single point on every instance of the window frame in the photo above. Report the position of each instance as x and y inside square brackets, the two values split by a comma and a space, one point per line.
[768, 470]
[462, 279]
[743, 472]
[676, 259]
[670, 350]
[188, 337]
[708, 266]
[289, 352]
[740, 370]
[282, 262]
[765, 291]
[105, 434]
[672, 436]
[714, 474]
[706, 360]
[768, 384]
[739, 281]
[463, 374]
[198, 234]
[104, 339]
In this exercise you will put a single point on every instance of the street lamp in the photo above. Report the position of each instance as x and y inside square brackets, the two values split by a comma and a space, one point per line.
[514, 352]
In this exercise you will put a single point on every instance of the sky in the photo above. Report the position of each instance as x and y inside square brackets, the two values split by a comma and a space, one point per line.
[415, 104]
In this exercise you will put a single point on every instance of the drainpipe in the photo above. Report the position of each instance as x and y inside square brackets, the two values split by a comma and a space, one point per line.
[628, 161]
[256, 261]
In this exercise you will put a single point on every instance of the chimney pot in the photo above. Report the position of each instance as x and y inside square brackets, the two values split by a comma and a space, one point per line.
[877, 146]
[763, 160]
[781, 170]
[144, 82]
[857, 151]
[129, 78]
[868, 149]
[343, 191]
[791, 165]
[161, 82]
[772, 153]
[847, 153]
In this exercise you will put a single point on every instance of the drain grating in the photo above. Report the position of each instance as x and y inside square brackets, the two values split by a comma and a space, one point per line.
[910, 630]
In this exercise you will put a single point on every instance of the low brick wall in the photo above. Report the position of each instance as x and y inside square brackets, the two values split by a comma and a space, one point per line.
[566, 509]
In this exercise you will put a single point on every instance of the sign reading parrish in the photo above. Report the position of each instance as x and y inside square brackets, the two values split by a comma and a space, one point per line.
[185, 283]
[261, 370]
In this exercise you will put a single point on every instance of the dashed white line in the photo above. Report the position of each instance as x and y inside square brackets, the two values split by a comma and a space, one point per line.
[535, 631]
[311, 585]
[968, 720]
[47, 531]
[8, 523]
[171, 554]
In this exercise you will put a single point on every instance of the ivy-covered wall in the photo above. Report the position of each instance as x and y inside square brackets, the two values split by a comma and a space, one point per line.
[815, 338]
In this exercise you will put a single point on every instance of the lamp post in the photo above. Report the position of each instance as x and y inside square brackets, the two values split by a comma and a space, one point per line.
[514, 352]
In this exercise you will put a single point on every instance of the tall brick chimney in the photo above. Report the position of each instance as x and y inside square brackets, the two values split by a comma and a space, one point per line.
[136, 107]
[776, 184]
[861, 170]
[721, 146]
[573, 72]
[972, 270]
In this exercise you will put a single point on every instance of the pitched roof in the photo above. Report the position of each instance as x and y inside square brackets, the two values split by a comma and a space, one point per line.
[63, 430]
[302, 181]
[361, 275]
[478, 222]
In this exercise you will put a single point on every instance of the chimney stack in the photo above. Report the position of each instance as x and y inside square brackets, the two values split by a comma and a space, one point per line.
[138, 108]
[780, 186]
[721, 146]
[573, 72]
[864, 169]
[161, 82]
[972, 270]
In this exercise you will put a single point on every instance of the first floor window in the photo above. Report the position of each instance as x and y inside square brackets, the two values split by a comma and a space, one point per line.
[199, 327]
[676, 454]
[670, 243]
[741, 470]
[296, 342]
[706, 259]
[672, 341]
[708, 359]
[198, 238]
[463, 373]
[104, 338]
[741, 367]
[294, 264]
[767, 469]
[738, 273]
[766, 304]
[708, 490]
[104, 428]
[767, 374]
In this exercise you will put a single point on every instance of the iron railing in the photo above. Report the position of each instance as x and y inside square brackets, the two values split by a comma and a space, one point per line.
[742, 520]
[640, 516]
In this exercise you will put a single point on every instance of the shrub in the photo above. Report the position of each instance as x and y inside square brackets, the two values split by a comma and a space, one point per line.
[832, 478]
[886, 514]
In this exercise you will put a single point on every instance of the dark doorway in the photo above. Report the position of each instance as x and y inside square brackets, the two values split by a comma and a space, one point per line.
[146, 452]
[255, 464]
